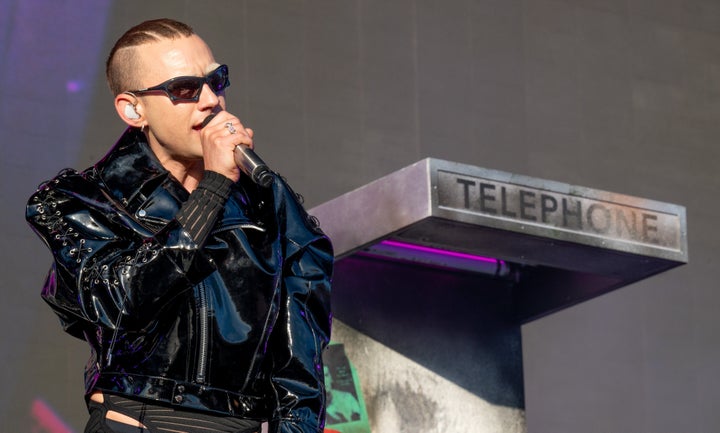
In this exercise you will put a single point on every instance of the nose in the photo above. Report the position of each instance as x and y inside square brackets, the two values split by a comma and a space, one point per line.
[208, 98]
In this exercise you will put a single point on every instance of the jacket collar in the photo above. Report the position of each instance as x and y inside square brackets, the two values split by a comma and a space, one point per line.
[134, 176]
[131, 171]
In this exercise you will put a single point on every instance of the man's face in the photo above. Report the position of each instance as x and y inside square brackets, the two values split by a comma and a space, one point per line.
[173, 128]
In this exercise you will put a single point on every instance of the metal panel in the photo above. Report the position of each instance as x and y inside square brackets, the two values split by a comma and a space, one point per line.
[569, 243]
[495, 199]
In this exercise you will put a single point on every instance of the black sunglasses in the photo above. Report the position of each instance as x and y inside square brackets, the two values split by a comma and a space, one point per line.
[187, 89]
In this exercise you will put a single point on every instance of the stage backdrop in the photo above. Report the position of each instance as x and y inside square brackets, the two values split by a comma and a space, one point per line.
[619, 95]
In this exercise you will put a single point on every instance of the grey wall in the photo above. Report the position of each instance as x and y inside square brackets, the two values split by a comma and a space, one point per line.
[620, 95]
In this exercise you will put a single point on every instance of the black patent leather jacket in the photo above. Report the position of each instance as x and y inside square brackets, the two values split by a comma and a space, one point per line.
[236, 326]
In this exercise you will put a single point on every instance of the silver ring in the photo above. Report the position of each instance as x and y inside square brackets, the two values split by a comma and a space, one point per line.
[230, 127]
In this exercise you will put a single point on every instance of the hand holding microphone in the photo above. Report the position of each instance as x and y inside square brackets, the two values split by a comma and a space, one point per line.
[246, 159]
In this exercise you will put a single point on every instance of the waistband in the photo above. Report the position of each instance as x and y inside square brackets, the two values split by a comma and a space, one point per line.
[185, 394]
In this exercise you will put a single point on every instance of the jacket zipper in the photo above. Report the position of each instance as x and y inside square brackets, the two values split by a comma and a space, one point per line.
[202, 312]
[265, 326]
[111, 346]
[202, 308]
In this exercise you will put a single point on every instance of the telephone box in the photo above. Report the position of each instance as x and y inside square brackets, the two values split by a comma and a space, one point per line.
[439, 265]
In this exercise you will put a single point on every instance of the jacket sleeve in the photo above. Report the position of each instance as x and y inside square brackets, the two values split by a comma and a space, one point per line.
[303, 327]
[104, 262]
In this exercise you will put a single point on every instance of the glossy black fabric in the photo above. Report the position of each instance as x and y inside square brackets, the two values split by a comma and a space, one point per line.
[234, 326]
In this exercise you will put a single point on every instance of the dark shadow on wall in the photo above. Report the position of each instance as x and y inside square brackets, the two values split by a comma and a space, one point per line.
[457, 324]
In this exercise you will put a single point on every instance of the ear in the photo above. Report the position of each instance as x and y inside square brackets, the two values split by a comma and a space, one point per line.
[129, 109]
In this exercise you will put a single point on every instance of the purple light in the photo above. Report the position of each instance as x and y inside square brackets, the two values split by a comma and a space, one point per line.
[439, 251]
[437, 257]
[73, 86]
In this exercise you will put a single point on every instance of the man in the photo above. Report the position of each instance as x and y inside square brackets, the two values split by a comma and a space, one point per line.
[204, 297]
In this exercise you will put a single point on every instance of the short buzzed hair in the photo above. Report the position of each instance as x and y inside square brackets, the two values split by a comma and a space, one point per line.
[123, 60]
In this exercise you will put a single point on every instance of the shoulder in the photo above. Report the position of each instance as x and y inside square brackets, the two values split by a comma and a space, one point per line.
[67, 183]
[69, 192]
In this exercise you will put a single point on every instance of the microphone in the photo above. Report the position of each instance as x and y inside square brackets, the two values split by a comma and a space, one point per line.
[253, 166]
[248, 161]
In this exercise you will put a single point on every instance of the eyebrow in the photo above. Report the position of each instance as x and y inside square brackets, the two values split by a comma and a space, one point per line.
[212, 67]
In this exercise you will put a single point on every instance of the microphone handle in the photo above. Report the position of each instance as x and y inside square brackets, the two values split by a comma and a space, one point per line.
[253, 166]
